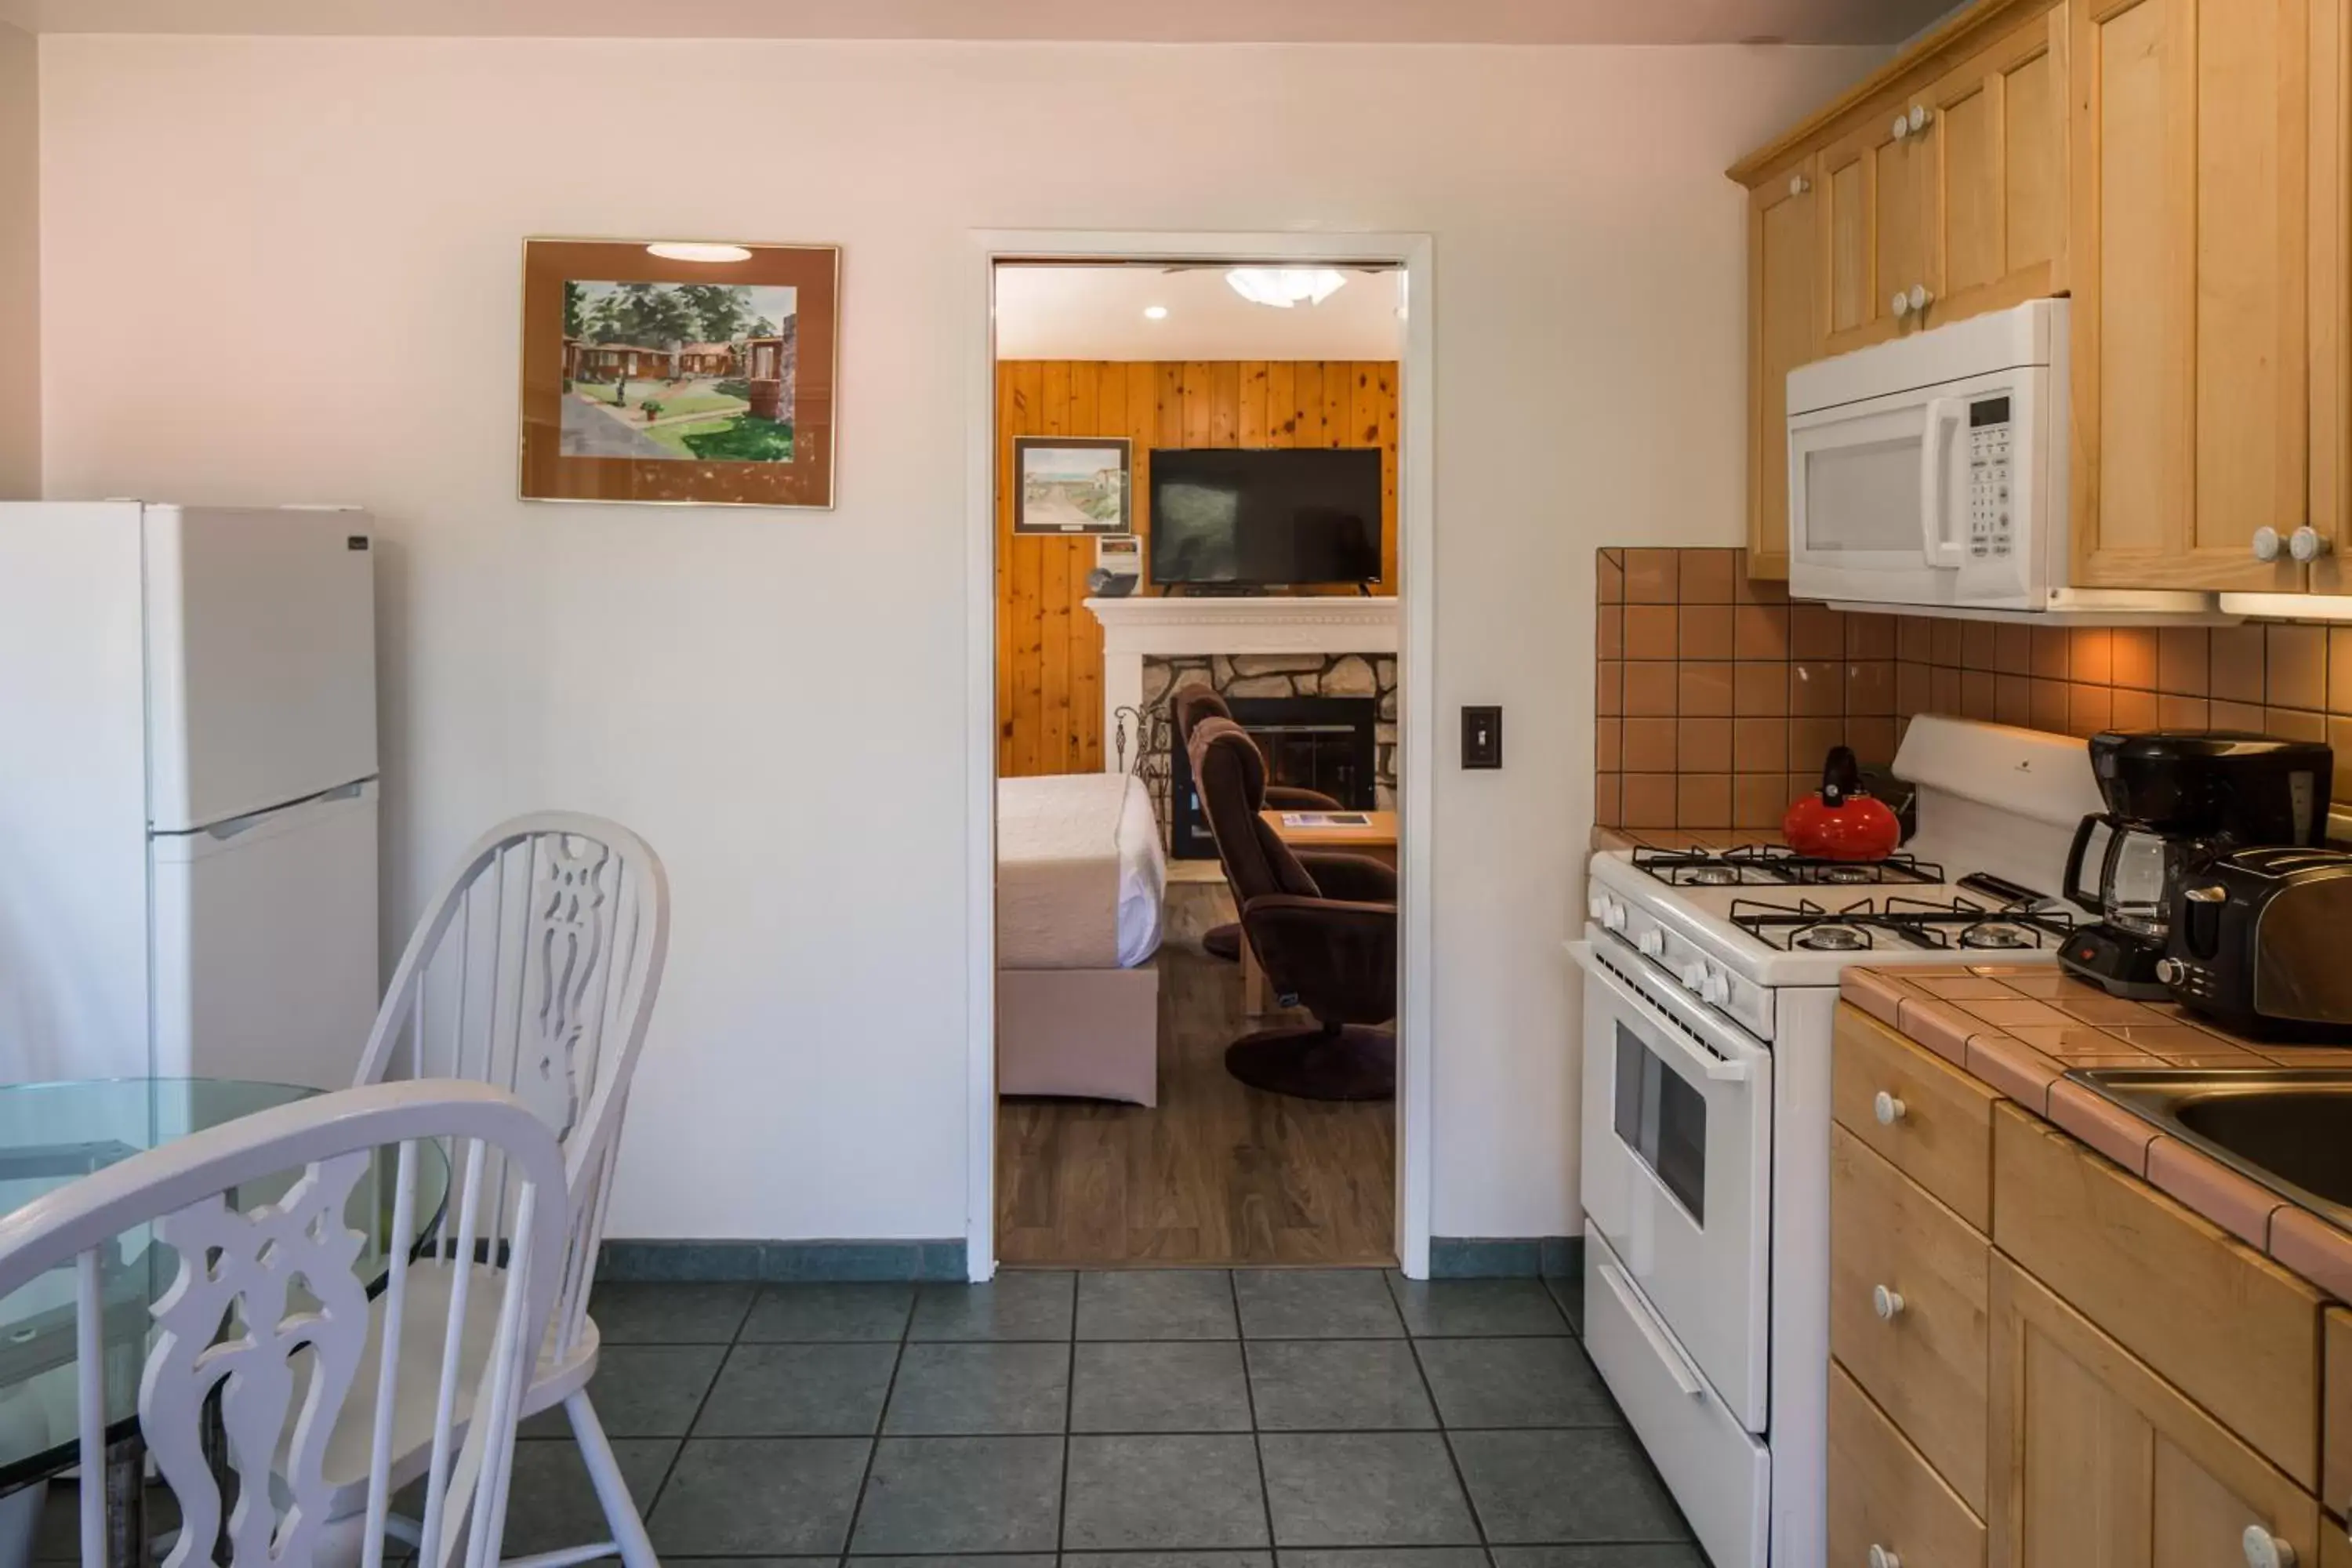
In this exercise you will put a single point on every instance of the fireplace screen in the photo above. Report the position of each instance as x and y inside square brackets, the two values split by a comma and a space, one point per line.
[1323, 744]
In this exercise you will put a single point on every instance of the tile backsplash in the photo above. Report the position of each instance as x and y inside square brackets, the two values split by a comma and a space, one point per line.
[1716, 698]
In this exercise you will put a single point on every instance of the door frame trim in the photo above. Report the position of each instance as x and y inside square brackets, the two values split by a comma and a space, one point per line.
[1414, 255]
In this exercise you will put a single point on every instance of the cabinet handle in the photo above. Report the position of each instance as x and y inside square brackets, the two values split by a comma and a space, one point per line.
[1888, 1110]
[2265, 1550]
[2307, 545]
[1882, 1557]
[1902, 126]
[1887, 1304]
[1918, 117]
[1900, 304]
[1799, 184]
[2267, 543]
[1919, 296]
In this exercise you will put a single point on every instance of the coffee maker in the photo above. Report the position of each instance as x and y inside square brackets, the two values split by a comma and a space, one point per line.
[2176, 799]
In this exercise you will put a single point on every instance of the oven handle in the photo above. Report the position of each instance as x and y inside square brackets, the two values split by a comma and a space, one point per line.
[1943, 414]
[1714, 1068]
[1678, 1365]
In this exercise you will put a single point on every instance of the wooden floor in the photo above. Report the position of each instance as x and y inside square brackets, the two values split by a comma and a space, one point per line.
[1218, 1174]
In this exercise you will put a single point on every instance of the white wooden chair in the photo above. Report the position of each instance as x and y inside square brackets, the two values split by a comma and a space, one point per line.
[266, 1310]
[535, 972]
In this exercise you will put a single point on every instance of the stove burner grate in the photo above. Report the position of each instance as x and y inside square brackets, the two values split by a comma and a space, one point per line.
[1808, 927]
[1773, 865]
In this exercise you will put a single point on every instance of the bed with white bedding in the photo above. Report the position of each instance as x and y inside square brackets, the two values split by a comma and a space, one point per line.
[1080, 884]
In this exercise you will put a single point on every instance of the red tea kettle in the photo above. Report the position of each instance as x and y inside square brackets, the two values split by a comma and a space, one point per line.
[1842, 821]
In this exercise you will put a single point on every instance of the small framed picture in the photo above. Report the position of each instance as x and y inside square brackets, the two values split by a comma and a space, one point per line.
[1071, 484]
[680, 372]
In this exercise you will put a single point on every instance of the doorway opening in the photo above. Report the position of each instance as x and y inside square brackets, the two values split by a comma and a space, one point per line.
[1199, 714]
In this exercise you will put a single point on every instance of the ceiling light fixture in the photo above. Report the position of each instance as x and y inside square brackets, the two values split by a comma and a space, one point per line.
[1283, 286]
[689, 250]
[1155, 313]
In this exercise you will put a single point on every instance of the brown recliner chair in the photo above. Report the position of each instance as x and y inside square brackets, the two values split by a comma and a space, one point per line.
[1187, 706]
[1324, 929]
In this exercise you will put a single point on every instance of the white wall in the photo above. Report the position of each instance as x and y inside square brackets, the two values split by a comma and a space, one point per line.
[20, 319]
[323, 234]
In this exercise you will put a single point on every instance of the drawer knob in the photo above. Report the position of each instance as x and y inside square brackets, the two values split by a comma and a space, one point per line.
[2265, 1550]
[1882, 1557]
[1887, 1304]
[1888, 1110]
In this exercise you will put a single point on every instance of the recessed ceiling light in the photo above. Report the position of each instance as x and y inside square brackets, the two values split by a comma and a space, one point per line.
[1155, 313]
[688, 251]
[1283, 286]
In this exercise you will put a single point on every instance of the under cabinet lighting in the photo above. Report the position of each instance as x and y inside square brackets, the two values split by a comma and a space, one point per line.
[689, 250]
[1283, 286]
[1155, 313]
[2290, 606]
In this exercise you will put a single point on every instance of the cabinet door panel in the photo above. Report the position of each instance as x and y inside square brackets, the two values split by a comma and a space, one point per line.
[2187, 259]
[2000, 139]
[2102, 1464]
[1784, 331]
[1877, 222]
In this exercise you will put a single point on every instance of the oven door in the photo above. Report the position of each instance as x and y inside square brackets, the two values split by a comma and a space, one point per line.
[1677, 1161]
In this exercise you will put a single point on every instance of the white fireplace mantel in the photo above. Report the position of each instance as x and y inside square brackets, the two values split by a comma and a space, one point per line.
[1137, 628]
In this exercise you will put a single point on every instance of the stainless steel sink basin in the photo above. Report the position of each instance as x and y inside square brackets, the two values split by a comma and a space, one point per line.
[2289, 1128]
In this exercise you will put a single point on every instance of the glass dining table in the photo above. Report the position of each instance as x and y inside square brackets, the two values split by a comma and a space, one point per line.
[52, 1134]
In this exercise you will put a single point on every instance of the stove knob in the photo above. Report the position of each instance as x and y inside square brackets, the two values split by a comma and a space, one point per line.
[1653, 943]
[1614, 916]
[1596, 903]
[1718, 987]
[1693, 978]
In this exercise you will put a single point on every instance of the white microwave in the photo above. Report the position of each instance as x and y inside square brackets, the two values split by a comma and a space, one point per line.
[1929, 473]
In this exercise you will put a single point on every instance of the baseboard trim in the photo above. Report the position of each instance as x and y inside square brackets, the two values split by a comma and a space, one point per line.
[780, 1262]
[1505, 1256]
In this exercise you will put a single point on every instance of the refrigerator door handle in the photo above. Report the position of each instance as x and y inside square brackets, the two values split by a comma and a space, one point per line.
[234, 826]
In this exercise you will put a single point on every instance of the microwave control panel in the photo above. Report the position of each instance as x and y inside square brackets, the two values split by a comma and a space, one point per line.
[1989, 433]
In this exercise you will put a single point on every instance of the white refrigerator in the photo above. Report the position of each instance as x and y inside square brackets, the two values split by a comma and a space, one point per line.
[188, 791]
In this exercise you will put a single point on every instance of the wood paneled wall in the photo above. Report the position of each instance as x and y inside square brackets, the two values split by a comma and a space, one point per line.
[1048, 648]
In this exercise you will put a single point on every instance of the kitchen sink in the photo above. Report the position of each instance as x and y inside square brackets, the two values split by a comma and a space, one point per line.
[2289, 1128]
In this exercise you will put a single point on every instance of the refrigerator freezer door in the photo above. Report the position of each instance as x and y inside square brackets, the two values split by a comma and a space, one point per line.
[73, 793]
[260, 659]
[265, 944]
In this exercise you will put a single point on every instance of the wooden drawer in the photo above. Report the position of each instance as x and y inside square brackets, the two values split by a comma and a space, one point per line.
[2336, 1414]
[1924, 1366]
[2228, 1327]
[1883, 1492]
[1941, 1135]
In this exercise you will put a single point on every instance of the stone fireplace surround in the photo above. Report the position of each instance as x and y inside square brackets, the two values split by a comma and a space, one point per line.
[1257, 647]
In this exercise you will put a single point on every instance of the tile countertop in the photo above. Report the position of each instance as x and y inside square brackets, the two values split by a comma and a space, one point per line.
[2021, 1030]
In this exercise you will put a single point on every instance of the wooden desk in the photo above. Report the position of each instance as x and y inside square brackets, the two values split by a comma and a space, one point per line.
[1377, 839]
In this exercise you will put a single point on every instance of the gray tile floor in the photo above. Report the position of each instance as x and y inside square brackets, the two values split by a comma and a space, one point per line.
[1149, 1419]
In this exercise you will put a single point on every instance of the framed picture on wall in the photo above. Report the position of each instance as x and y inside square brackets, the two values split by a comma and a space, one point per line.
[1071, 484]
[678, 372]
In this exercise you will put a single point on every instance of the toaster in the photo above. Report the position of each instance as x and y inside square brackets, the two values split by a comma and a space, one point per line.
[2258, 942]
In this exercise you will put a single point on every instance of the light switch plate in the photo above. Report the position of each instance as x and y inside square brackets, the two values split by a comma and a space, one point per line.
[1482, 737]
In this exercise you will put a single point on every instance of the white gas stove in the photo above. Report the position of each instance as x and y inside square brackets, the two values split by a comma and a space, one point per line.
[1710, 989]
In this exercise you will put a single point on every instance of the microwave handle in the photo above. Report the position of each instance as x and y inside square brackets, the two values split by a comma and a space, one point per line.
[1935, 545]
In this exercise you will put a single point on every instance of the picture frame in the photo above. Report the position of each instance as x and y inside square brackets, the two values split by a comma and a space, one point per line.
[678, 373]
[1071, 484]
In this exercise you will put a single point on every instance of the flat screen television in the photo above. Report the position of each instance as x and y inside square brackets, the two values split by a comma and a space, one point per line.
[1284, 515]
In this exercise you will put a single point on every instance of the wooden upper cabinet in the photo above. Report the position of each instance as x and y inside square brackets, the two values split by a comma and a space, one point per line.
[1784, 333]
[1876, 211]
[2099, 1463]
[1998, 139]
[2190, 259]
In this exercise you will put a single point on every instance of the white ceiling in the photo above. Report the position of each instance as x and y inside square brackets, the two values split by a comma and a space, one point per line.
[1097, 312]
[1164, 21]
